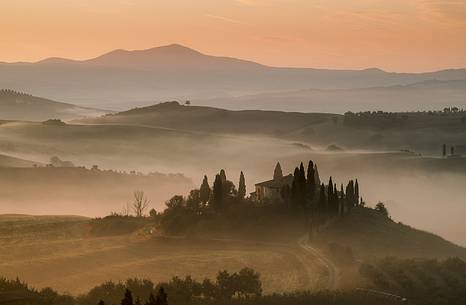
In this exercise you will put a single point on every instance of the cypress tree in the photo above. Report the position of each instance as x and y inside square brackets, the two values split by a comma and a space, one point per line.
[241, 186]
[336, 203]
[217, 191]
[350, 195]
[316, 175]
[330, 197]
[356, 193]
[302, 175]
[311, 180]
[204, 191]
[295, 188]
[342, 200]
[277, 173]
[322, 207]
[302, 186]
[223, 175]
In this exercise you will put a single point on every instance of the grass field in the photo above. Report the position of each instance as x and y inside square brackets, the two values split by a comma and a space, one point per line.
[58, 251]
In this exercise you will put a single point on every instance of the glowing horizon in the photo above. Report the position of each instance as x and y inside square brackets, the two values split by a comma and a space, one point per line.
[393, 35]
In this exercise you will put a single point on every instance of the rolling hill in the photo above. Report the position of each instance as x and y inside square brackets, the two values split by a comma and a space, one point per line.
[201, 140]
[410, 130]
[124, 79]
[372, 235]
[213, 120]
[425, 95]
[9, 161]
[75, 260]
[21, 106]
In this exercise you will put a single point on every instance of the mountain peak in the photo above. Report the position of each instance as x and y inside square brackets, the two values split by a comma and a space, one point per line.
[172, 57]
[176, 49]
[374, 70]
[162, 56]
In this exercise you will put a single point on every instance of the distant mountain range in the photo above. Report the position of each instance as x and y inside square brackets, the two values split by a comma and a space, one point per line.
[123, 79]
[21, 106]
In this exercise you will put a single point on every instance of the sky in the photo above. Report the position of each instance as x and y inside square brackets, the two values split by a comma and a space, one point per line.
[394, 35]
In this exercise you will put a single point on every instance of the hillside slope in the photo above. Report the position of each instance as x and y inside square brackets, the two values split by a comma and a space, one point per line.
[9, 161]
[21, 106]
[76, 261]
[213, 120]
[372, 235]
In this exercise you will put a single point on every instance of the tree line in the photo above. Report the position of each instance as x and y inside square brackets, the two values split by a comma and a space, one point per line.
[237, 288]
[320, 200]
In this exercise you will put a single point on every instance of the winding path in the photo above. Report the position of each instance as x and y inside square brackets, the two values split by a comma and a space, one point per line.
[333, 280]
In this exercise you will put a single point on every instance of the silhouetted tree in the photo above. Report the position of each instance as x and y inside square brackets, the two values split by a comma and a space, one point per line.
[241, 186]
[311, 180]
[350, 196]
[204, 190]
[316, 175]
[217, 192]
[330, 197]
[322, 206]
[128, 298]
[298, 189]
[193, 202]
[223, 175]
[336, 201]
[277, 173]
[101, 302]
[140, 203]
[162, 298]
[342, 200]
[248, 282]
[175, 203]
[152, 300]
[356, 192]
[302, 174]
[295, 188]
[380, 207]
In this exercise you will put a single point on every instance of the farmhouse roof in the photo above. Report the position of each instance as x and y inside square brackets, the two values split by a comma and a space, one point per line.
[278, 183]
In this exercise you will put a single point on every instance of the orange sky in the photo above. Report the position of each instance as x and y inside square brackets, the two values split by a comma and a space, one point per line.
[395, 35]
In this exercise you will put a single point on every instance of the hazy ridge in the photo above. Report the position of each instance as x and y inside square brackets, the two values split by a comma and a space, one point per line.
[22, 106]
[123, 79]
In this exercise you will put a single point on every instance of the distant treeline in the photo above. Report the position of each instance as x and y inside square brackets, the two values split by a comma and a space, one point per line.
[238, 288]
[382, 119]
[388, 281]
[10, 92]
